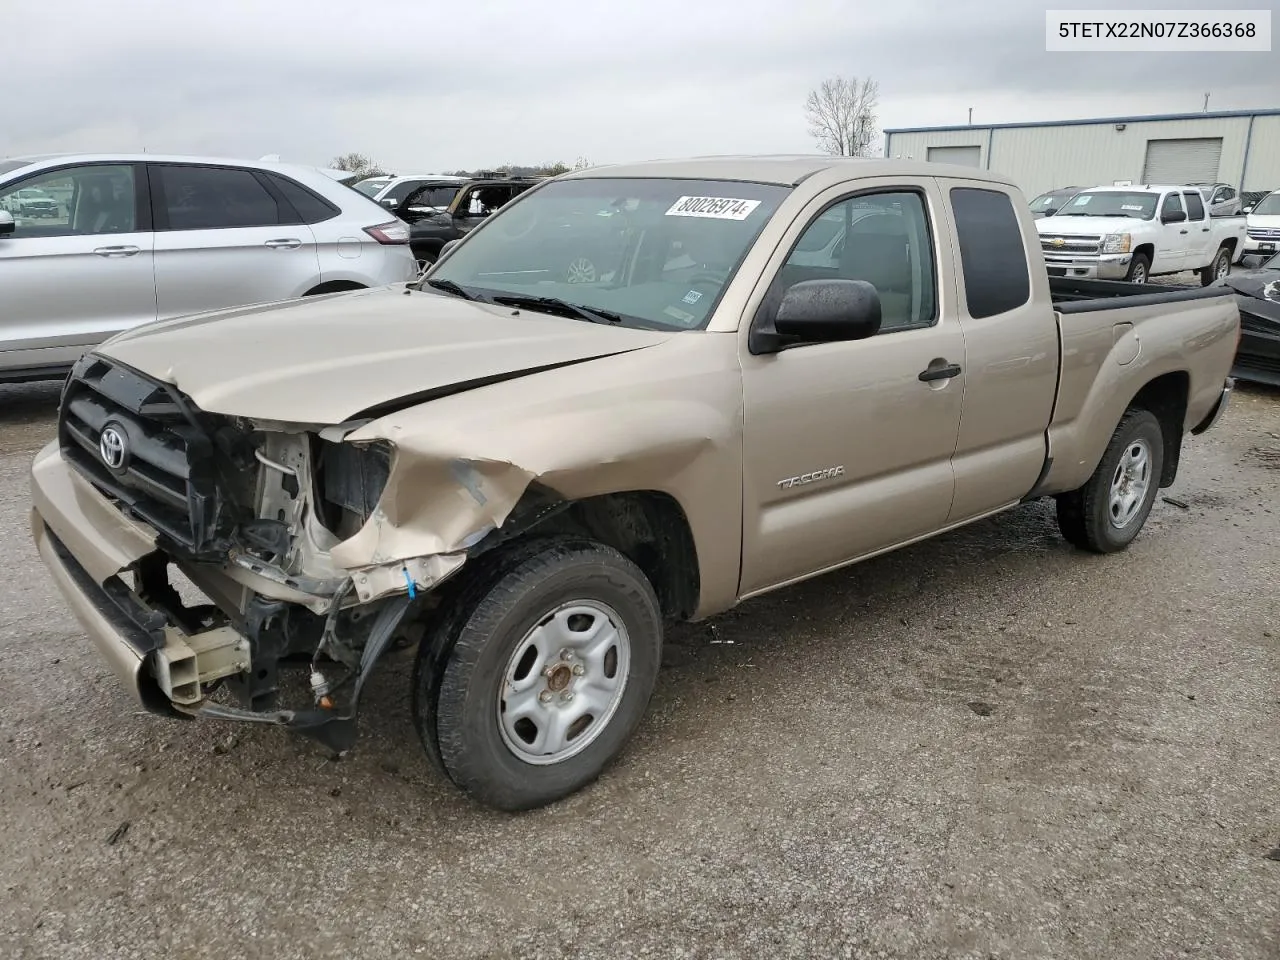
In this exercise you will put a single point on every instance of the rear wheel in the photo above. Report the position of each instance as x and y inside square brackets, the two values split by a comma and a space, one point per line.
[1139, 268]
[1218, 269]
[540, 674]
[1106, 514]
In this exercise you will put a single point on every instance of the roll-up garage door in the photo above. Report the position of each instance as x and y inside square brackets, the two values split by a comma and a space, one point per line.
[1182, 161]
[967, 156]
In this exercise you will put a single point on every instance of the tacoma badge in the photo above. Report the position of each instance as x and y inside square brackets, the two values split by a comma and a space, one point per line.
[804, 478]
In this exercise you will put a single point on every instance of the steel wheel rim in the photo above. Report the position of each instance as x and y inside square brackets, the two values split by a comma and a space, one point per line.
[563, 683]
[581, 270]
[1129, 484]
[1139, 274]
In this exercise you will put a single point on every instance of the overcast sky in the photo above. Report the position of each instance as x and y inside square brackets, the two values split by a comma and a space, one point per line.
[428, 85]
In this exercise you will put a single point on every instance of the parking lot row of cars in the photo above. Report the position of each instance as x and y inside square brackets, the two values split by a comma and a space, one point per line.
[1260, 208]
[92, 245]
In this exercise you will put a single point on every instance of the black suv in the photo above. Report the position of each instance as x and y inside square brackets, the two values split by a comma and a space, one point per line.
[430, 229]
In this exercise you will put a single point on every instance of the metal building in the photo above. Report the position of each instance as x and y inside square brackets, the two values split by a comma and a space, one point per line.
[1239, 147]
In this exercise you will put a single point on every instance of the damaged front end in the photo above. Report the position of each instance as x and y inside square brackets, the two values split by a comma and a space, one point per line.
[278, 525]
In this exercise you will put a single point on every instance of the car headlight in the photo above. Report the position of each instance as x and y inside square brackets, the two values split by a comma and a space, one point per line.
[1116, 243]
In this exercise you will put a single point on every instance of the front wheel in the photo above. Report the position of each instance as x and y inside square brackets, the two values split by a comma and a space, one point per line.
[1106, 514]
[546, 672]
[1139, 269]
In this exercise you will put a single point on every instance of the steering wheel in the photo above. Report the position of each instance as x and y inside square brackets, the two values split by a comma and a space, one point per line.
[706, 278]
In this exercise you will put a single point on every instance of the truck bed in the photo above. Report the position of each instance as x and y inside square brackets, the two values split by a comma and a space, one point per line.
[1117, 336]
[1074, 295]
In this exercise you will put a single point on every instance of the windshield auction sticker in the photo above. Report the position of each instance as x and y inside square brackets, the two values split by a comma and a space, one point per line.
[713, 208]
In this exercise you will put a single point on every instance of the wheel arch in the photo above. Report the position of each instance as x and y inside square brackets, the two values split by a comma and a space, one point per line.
[334, 286]
[648, 527]
[1166, 396]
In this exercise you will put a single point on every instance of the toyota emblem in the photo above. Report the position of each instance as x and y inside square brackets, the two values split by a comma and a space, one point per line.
[1059, 242]
[113, 446]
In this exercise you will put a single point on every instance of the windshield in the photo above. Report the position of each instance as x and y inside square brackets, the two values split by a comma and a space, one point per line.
[1052, 200]
[438, 196]
[1268, 206]
[1138, 204]
[369, 187]
[656, 253]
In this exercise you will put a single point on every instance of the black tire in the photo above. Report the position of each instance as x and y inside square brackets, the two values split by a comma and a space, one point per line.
[1085, 515]
[1139, 269]
[1210, 273]
[460, 667]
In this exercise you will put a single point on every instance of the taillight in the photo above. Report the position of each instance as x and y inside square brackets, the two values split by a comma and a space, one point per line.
[394, 231]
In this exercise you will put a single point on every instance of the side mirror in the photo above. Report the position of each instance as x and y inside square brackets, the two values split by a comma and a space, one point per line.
[1179, 217]
[827, 311]
[7, 224]
[1253, 261]
[1051, 211]
[444, 251]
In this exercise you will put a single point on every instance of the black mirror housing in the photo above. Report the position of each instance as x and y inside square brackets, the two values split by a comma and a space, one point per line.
[825, 311]
[1179, 217]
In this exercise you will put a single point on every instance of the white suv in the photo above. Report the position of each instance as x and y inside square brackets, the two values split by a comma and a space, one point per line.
[148, 237]
[391, 192]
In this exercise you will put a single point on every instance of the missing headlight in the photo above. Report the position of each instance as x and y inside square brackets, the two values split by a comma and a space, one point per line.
[350, 481]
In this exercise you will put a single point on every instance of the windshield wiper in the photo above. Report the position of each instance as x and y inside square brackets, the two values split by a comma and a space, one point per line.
[556, 304]
[448, 286]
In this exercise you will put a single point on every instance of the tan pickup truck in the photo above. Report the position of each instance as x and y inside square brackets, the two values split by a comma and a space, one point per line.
[637, 394]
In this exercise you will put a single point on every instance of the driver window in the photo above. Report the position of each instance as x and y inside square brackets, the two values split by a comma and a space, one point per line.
[80, 201]
[881, 238]
[1172, 204]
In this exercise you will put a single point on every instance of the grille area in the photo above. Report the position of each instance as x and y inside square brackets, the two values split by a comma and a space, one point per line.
[156, 459]
[1049, 243]
[1264, 233]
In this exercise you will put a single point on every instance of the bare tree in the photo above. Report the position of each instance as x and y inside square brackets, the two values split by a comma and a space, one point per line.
[359, 164]
[842, 115]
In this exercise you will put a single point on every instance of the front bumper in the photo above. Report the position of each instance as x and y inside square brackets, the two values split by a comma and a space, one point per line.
[110, 569]
[1254, 246]
[1258, 356]
[90, 549]
[1110, 266]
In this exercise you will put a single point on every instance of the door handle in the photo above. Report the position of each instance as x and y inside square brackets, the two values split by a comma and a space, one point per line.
[1182, 231]
[1204, 229]
[122, 251]
[283, 244]
[940, 373]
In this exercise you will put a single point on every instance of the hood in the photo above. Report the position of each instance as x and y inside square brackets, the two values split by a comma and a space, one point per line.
[1076, 226]
[1263, 221]
[1258, 284]
[325, 360]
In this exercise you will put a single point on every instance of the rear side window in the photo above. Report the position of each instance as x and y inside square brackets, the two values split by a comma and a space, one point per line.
[993, 257]
[311, 207]
[1195, 206]
[210, 198]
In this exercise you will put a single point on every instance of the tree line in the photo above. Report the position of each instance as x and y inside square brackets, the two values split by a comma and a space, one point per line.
[365, 166]
[841, 113]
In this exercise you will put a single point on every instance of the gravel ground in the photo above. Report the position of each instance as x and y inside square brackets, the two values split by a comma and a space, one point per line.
[987, 745]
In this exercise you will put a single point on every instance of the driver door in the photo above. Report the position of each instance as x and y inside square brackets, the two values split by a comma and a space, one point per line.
[848, 446]
[1171, 245]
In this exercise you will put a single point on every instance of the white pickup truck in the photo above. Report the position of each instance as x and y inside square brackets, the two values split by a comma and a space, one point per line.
[1134, 233]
